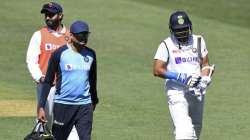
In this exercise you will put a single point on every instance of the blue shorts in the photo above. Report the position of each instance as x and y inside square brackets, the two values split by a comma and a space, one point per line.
[65, 116]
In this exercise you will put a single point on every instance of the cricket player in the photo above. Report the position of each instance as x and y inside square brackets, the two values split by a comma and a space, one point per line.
[42, 44]
[182, 60]
[74, 65]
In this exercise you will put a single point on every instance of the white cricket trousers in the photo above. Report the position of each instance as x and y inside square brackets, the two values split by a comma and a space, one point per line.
[49, 110]
[186, 112]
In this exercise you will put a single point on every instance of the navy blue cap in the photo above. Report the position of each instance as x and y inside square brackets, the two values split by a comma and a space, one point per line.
[179, 19]
[52, 7]
[78, 27]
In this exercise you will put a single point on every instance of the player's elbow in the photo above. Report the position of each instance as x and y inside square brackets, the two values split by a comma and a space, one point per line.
[156, 73]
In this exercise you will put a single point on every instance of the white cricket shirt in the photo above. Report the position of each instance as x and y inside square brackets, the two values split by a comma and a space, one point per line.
[185, 60]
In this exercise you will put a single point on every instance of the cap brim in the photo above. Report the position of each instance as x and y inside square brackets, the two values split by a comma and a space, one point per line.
[79, 32]
[180, 26]
[44, 10]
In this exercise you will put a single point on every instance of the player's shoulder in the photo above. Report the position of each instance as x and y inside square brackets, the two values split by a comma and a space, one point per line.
[44, 28]
[62, 48]
[37, 34]
[65, 30]
[90, 50]
[59, 51]
[166, 39]
[163, 42]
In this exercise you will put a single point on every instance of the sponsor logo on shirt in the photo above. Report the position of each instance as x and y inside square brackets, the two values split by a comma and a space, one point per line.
[49, 46]
[176, 51]
[179, 60]
[68, 67]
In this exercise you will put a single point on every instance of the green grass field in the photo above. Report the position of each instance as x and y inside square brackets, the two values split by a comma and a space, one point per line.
[125, 35]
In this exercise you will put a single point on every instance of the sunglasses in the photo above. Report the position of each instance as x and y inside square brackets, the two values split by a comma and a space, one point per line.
[49, 14]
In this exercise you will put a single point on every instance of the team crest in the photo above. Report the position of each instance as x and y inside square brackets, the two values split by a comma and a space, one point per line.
[86, 59]
[194, 50]
[48, 46]
[180, 20]
[66, 38]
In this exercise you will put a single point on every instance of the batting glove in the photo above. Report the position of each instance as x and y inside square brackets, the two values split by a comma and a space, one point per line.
[201, 87]
[191, 80]
[196, 91]
[204, 82]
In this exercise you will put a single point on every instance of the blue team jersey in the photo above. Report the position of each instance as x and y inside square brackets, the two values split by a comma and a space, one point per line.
[75, 75]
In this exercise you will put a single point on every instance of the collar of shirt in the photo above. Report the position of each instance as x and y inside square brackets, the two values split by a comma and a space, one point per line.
[183, 47]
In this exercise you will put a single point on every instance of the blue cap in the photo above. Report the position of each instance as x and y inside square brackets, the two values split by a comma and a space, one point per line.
[78, 27]
[52, 7]
[179, 19]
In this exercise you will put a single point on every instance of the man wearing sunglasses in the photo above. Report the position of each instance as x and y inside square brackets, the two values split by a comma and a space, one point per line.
[74, 65]
[42, 44]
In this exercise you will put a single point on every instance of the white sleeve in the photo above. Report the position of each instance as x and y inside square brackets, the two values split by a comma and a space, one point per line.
[162, 53]
[204, 50]
[32, 56]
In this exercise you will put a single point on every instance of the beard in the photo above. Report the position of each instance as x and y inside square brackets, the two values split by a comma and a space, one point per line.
[53, 24]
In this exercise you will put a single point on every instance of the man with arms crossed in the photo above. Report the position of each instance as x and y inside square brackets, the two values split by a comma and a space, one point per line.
[42, 44]
[182, 59]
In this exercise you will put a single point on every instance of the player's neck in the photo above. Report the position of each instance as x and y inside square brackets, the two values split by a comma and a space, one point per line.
[57, 28]
[76, 48]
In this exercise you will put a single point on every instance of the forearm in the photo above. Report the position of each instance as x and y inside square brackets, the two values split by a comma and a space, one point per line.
[160, 74]
[45, 92]
[35, 71]
[165, 74]
[93, 87]
[94, 98]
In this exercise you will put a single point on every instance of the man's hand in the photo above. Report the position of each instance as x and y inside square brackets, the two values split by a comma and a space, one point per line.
[41, 80]
[95, 101]
[204, 82]
[191, 80]
[201, 87]
[41, 115]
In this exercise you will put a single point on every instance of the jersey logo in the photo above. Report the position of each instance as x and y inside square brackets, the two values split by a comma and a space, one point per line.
[86, 59]
[179, 60]
[68, 67]
[194, 50]
[49, 46]
[176, 51]
[71, 67]
[180, 20]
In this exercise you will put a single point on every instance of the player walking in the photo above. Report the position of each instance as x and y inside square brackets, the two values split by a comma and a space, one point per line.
[182, 59]
[42, 44]
[74, 65]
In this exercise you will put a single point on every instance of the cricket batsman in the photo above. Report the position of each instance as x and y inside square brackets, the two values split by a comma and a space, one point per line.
[182, 60]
